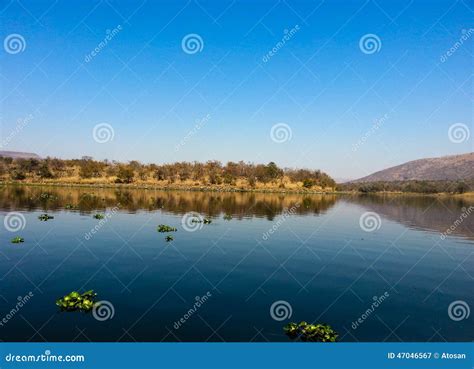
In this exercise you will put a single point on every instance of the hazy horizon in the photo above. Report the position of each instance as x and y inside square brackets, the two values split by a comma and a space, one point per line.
[350, 89]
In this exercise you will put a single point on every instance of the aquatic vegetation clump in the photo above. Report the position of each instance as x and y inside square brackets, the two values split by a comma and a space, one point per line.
[227, 217]
[169, 238]
[45, 217]
[47, 196]
[198, 220]
[310, 332]
[163, 228]
[18, 240]
[99, 216]
[77, 302]
[69, 206]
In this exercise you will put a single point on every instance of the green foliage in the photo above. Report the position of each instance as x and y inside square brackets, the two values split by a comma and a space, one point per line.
[198, 220]
[227, 217]
[162, 228]
[310, 332]
[77, 302]
[45, 217]
[169, 238]
[98, 216]
[412, 186]
[69, 206]
[18, 240]
[308, 183]
[125, 174]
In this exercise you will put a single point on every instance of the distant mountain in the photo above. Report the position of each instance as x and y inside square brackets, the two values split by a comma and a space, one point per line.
[19, 155]
[449, 168]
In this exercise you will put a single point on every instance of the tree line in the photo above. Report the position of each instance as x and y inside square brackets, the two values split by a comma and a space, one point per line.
[209, 173]
[413, 186]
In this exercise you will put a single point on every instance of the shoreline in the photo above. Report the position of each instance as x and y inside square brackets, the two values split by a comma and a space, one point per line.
[227, 189]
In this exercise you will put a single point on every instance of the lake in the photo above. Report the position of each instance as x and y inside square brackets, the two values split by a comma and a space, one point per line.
[375, 268]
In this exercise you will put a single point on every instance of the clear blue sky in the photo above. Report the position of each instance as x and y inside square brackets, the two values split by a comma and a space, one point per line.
[320, 83]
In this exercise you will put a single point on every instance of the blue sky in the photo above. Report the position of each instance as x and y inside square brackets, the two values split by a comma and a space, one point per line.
[320, 83]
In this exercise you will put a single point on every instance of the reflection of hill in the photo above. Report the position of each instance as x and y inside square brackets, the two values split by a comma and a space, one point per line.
[238, 205]
[422, 212]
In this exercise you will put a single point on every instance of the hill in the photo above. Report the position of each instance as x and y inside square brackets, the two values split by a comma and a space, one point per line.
[19, 155]
[446, 168]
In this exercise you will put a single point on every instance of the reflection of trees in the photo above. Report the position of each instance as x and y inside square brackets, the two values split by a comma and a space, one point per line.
[237, 204]
[434, 213]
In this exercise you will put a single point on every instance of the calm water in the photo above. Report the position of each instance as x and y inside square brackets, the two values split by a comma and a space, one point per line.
[314, 256]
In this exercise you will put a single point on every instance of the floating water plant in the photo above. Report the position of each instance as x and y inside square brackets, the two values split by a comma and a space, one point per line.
[18, 240]
[310, 332]
[47, 196]
[77, 302]
[198, 220]
[45, 217]
[69, 206]
[162, 228]
[99, 216]
[227, 217]
[169, 238]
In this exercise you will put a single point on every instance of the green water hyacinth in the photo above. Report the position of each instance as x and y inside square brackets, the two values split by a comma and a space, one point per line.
[169, 238]
[310, 332]
[163, 228]
[77, 302]
[45, 217]
[18, 240]
[205, 220]
[99, 216]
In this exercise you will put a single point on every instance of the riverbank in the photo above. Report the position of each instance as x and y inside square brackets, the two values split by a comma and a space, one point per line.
[223, 188]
